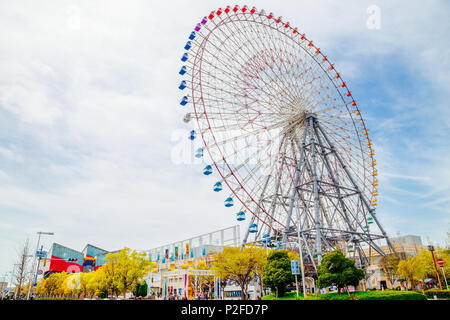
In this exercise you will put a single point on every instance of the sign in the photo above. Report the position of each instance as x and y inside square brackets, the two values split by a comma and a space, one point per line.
[41, 254]
[295, 269]
[440, 262]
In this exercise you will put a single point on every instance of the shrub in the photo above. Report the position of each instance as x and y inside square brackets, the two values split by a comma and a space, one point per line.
[359, 295]
[438, 293]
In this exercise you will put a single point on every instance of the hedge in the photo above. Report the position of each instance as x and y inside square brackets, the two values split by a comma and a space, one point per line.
[392, 295]
[438, 293]
[360, 295]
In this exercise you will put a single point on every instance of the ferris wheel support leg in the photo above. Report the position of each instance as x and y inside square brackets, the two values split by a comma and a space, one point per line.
[300, 234]
[370, 241]
[294, 190]
[277, 184]
[336, 183]
[363, 199]
[311, 119]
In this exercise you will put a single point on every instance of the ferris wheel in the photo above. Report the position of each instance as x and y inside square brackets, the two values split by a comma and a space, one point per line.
[280, 129]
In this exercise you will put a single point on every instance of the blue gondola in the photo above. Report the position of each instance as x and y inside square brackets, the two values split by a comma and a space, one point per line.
[188, 45]
[199, 153]
[192, 135]
[184, 101]
[228, 202]
[182, 85]
[217, 186]
[240, 216]
[253, 228]
[207, 170]
[182, 70]
[185, 57]
[192, 35]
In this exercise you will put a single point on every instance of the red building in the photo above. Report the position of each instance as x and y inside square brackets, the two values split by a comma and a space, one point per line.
[61, 258]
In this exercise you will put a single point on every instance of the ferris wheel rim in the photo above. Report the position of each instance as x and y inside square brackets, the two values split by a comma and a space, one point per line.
[201, 99]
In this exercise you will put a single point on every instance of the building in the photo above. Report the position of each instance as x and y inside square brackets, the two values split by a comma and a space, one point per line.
[404, 246]
[177, 267]
[61, 258]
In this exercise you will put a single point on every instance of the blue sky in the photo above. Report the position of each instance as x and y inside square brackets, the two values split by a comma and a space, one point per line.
[89, 117]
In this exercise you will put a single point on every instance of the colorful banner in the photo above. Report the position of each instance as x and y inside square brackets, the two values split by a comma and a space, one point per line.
[185, 285]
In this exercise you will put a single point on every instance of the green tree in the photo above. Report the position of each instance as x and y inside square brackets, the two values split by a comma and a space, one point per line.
[277, 272]
[141, 289]
[339, 271]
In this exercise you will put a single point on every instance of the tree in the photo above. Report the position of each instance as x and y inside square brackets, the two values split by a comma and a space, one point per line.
[277, 272]
[426, 260]
[339, 271]
[141, 289]
[259, 267]
[412, 269]
[238, 265]
[125, 268]
[22, 272]
[389, 265]
[219, 261]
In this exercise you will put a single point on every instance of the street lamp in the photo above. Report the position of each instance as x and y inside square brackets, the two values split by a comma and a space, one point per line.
[431, 248]
[39, 259]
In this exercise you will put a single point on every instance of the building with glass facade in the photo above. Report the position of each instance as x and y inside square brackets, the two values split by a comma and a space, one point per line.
[60, 258]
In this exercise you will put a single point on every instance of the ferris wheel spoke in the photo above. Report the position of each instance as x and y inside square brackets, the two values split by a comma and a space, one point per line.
[233, 58]
[256, 84]
[279, 63]
[240, 31]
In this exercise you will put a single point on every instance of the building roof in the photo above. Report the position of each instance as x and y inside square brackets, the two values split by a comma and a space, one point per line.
[91, 246]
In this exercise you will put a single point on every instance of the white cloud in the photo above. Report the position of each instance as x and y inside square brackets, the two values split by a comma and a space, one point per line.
[98, 101]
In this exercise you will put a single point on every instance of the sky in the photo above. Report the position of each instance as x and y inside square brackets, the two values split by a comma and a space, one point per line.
[90, 117]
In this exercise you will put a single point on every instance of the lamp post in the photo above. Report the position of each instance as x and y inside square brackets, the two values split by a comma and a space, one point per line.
[39, 259]
[431, 248]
